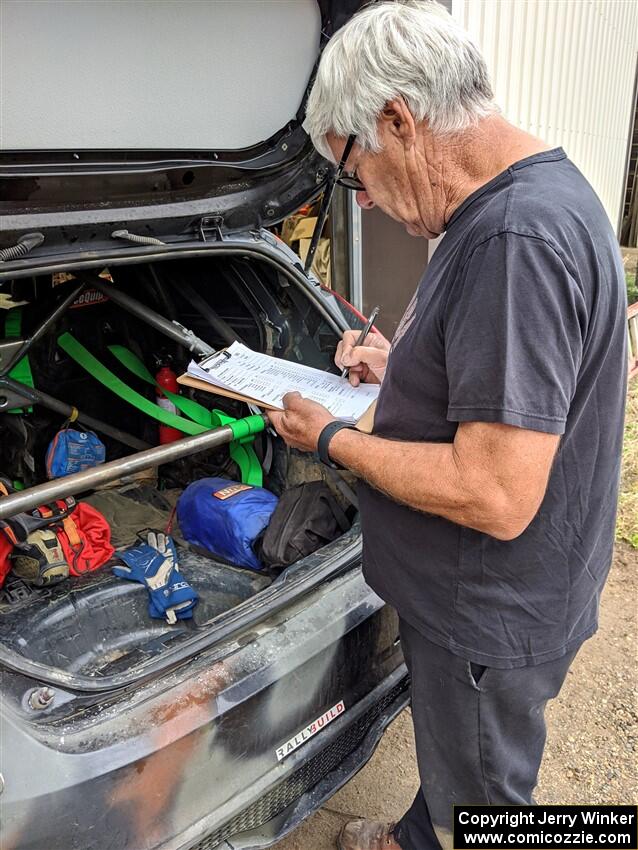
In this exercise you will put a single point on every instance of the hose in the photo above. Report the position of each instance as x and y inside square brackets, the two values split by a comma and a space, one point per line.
[25, 244]
[139, 240]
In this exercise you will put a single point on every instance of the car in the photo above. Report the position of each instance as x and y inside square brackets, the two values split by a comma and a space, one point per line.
[138, 208]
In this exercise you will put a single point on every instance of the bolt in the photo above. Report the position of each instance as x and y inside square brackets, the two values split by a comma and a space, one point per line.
[270, 212]
[41, 698]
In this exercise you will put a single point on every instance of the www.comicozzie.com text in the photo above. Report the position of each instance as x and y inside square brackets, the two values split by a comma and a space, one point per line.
[545, 818]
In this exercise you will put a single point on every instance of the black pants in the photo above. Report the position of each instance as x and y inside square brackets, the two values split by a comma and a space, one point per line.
[480, 734]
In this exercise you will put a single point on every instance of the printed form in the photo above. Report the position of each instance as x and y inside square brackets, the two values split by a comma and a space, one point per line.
[268, 379]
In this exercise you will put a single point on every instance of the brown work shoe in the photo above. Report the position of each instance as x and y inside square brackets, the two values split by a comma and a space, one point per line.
[367, 835]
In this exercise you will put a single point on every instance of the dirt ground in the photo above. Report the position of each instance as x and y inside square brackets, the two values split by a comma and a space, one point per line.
[591, 754]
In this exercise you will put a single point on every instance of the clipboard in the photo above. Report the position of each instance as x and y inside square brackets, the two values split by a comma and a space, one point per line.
[197, 384]
[364, 423]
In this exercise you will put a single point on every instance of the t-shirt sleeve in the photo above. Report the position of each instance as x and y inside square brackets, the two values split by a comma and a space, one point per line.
[514, 327]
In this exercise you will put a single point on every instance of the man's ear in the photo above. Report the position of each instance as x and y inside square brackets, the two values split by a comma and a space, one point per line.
[398, 121]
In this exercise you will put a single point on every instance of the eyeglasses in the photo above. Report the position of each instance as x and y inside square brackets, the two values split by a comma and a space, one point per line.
[348, 181]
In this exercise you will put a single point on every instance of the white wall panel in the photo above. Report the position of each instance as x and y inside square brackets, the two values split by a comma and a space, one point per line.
[564, 70]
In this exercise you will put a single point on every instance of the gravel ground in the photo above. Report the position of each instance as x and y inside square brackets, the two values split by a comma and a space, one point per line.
[592, 731]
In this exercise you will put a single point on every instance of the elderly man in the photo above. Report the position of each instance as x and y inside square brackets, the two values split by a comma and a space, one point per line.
[489, 485]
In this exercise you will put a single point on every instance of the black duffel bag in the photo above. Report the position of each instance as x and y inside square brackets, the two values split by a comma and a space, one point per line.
[306, 518]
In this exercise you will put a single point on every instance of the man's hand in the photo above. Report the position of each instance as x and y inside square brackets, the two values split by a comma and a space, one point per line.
[366, 362]
[301, 421]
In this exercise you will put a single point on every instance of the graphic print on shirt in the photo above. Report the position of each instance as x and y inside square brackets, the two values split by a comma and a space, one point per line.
[406, 321]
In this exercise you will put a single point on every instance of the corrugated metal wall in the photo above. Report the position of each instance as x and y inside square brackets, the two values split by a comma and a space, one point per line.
[564, 70]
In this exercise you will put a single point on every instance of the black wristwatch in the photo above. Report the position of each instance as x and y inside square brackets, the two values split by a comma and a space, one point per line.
[324, 441]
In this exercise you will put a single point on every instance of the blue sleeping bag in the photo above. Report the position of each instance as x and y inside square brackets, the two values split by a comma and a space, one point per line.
[225, 518]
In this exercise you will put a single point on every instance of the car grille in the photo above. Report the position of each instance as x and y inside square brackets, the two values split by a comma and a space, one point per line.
[308, 775]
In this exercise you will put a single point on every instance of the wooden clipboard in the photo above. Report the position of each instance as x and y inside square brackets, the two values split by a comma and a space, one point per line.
[364, 424]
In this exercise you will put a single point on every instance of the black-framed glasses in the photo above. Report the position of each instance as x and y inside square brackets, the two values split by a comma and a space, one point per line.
[348, 181]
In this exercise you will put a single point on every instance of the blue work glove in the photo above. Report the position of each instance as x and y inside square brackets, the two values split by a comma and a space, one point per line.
[154, 564]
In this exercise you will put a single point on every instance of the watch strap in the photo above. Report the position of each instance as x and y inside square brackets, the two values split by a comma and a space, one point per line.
[323, 443]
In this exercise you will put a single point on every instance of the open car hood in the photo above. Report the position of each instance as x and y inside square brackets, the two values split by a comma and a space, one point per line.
[154, 117]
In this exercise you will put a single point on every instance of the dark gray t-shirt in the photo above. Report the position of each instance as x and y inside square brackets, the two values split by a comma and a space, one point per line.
[520, 318]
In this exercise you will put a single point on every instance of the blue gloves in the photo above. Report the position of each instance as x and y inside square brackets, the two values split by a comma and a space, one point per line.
[154, 564]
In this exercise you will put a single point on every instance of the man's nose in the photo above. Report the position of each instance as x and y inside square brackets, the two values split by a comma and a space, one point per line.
[364, 201]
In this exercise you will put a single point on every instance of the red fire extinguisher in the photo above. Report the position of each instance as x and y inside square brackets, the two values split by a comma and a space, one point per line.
[167, 379]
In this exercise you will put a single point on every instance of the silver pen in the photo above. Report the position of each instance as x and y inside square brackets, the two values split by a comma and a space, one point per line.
[364, 333]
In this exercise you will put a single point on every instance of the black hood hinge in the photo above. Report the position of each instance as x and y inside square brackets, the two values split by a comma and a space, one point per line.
[211, 225]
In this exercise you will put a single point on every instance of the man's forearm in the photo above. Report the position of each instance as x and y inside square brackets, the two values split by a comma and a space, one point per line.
[492, 478]
[429, 477]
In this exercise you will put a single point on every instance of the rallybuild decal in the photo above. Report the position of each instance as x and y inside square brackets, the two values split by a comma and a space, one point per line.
[310, 730]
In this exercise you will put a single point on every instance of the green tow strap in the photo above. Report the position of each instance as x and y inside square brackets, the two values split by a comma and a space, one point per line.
[243, 455]
[21, 372]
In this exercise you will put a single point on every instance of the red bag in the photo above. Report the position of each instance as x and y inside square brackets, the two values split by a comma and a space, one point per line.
[85, 538]
[6, 545]
[5, 550]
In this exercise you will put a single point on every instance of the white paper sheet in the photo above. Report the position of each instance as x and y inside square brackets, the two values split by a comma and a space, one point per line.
[268, 379]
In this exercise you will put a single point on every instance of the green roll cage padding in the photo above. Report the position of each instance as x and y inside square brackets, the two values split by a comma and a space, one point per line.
[21, 372]
[243, 455]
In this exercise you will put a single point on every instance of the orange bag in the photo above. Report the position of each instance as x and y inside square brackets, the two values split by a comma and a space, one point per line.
[85, 537]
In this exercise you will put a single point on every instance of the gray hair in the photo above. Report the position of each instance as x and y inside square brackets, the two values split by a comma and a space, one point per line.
[407, 48]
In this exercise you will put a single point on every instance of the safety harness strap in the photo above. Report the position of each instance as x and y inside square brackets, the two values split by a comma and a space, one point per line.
[241, 451]
[76, 351]
[197, 412]
[199, 418]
